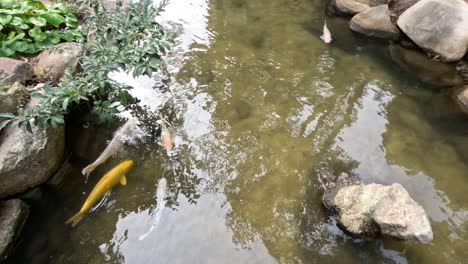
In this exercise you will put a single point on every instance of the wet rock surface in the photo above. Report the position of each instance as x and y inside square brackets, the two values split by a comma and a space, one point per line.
[29, 159]
[430, 71]
[50, 65]
[375, 22]
[439, 26]
[12, 71]
[13, 214]
[365, 210]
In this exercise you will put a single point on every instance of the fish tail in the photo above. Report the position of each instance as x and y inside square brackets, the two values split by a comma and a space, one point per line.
[75, 219]
[146, 234]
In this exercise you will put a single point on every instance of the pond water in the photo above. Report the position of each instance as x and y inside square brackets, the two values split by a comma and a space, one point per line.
[265, 116]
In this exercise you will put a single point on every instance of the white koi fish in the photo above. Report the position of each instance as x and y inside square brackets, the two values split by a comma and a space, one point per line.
[326, 37]
[124, 134]
[161, 204]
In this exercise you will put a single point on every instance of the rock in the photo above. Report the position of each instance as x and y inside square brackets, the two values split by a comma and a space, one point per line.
[375, 22]
[12, 71]
[439, 26]
[351, 7]
[51, 64]
[430, 71]
[397, 7]
[461, 97]
[364, 210]
[13, 214]
[11, 97]
[29, 159]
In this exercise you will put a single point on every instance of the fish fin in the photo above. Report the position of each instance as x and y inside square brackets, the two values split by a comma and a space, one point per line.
[75, 219]
[87, 170]
[123, 180]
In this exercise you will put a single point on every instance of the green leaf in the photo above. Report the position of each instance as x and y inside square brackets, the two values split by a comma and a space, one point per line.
[28, 127]
[37, 34]
[106, 104]
[4, 123]
[5, 19]
[154, 62]
[8, 3]
[16, 21]
[53, 18]
[65, 103]
[7, 115]
[21, 46]
[40, 5]
[58, 119]
[38, 21]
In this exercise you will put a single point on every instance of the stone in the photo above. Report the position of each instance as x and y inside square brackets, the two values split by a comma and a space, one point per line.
[375, 22]
[50, 65]
[11, 96]
[461, 97]
[364, 210]
[430, 71]
[397, 7]
[29, 159]
[350, 7]
[12, 71]
[13, 215]
[439, 26]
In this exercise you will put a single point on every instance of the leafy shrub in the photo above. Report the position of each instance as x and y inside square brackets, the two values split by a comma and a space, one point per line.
[28, 26]
[127, 39]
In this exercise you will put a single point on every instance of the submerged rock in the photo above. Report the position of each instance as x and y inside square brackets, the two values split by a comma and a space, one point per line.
[29, 159]
[375, 22]
[440, 26]
[51, 64]
[461, 97]
[12, 71]
[365, 210]
[427, 70]
[13, 214]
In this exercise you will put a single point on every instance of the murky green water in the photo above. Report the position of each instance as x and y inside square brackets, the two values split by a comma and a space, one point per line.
[265, 116]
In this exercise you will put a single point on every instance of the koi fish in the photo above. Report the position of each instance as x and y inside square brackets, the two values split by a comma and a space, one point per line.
[326, 37]
[109, 180]
[161, 204]
[167, 140]
[123, 134]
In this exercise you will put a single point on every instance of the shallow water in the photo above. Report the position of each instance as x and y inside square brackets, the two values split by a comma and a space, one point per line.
[265, 117]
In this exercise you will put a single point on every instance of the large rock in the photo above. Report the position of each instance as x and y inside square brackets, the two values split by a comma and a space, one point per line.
[440, 26]
[365, 210]
[13, 214]
[375, 22]
[397, 7]
[11, 98]
[29, 159]
[430, 71]
[351, 7]
[12, 71]
[51, 64]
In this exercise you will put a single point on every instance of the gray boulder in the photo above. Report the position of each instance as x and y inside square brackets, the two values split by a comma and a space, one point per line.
[430, 71]
[29, 159]
[13, 214]
[11, 97]
[50, 65]
[375, 22]
[364, 210]
[350, 7]
[12, 71]
[439, 26]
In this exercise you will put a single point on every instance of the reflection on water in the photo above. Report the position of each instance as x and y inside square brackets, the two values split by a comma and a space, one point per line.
[265, 117]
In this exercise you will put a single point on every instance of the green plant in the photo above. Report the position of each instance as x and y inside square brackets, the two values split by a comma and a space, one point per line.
[127, 39]
[28, 26]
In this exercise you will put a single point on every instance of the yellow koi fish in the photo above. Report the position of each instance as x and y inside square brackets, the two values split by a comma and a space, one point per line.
[109, 180]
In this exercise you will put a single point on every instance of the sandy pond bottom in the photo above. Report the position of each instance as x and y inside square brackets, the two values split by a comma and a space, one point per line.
[265, 115]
